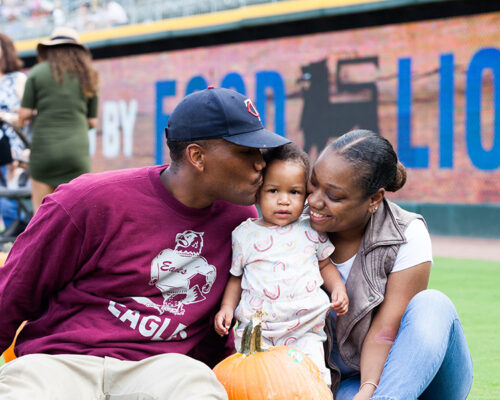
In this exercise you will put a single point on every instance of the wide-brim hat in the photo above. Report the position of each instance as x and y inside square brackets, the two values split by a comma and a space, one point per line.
[62, 35]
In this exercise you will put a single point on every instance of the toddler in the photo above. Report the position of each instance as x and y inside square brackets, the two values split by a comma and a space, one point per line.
[279, 264]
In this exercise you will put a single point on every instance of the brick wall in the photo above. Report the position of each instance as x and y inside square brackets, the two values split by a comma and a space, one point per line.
[135, 77]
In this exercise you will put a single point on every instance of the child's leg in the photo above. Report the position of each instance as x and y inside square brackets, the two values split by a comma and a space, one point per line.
[312, 345]
[243, 314]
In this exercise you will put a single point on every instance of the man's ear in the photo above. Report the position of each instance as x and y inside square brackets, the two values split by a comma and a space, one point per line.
[376, 199]
[195, 155]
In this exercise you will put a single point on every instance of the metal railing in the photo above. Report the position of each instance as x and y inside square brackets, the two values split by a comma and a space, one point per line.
[84, 15]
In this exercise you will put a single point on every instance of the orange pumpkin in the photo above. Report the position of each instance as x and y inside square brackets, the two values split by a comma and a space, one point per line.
[8, 355]
[276, 373]
[3, 257]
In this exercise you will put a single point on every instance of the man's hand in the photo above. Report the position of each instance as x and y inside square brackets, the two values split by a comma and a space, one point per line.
[223, 320]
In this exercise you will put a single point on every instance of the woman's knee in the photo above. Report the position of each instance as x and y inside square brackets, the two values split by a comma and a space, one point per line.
[431, 315]
[431, 301]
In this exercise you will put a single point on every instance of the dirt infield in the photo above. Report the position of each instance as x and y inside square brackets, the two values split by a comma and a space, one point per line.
[465, 247]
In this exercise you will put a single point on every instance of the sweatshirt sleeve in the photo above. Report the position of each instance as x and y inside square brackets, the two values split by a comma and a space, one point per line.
[92, 104]
[43, 260]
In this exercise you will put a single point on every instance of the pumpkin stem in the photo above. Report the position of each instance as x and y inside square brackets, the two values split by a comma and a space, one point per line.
[252, 335]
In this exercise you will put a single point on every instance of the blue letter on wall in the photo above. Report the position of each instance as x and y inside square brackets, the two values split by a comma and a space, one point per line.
[271, 80]
[412, 157]
[163, 89]
[196, 83]
[234, 81]
[481, 158]
[446, 111]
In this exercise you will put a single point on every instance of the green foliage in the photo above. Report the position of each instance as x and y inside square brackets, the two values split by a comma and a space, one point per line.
[473, 286]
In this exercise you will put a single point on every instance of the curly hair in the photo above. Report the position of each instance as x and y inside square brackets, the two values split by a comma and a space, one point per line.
[288, 152]
[9, 61]
[74, 60]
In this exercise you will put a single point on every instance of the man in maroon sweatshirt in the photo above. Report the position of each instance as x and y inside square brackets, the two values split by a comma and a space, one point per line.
[119, 274]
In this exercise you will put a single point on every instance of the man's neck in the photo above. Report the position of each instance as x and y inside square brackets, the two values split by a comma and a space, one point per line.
[185, 188]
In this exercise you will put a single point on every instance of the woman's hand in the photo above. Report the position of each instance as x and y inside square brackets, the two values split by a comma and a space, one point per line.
[25, 115]
[92, 123]
[365, 392]
[223, 320]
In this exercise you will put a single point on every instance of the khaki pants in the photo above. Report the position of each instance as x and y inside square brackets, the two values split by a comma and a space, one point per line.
[63, 377]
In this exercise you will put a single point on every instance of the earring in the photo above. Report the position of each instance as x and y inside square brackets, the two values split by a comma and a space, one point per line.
[375, 208]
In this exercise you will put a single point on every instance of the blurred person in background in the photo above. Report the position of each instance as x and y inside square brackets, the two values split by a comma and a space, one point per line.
[58, 16]
[61, 98]
[12, 82]
[116, 14]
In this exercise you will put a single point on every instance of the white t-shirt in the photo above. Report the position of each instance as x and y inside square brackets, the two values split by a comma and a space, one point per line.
[417, 250]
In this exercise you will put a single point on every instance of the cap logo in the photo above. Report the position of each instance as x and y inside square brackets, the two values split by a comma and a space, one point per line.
[251, 108]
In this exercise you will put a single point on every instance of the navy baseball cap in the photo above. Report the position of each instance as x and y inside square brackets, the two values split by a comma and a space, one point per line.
[220, 113]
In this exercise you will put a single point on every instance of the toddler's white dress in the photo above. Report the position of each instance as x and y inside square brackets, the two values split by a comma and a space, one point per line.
[281, 277]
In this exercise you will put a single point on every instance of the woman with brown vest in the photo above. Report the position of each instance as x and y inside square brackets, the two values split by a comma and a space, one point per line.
[398, 340]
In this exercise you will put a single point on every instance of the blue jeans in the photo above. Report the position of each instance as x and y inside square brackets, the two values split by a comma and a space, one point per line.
[429, 358]
[8, 211]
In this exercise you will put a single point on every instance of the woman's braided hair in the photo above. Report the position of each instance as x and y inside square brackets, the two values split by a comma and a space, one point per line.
[374, 160]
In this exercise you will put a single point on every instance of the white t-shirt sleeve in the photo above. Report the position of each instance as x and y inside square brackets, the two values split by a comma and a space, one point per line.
[418, 248]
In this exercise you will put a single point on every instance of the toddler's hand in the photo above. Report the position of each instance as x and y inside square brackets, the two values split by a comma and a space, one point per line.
[340, 301]
[223, 321]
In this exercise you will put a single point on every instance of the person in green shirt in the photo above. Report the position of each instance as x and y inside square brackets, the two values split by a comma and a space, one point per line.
[60, 97]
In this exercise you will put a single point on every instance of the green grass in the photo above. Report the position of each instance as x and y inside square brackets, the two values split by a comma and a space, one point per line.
[474, 287]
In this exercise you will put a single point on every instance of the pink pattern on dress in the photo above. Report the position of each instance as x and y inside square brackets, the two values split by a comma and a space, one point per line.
[302, 311]
[289, 245]
[279, 266]
[312, 236]
[294, 325]
[262, 246]
[327, 251]
[256, 302]
[311, 285]
[323, 238]
[290, 340]
[273, 294]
